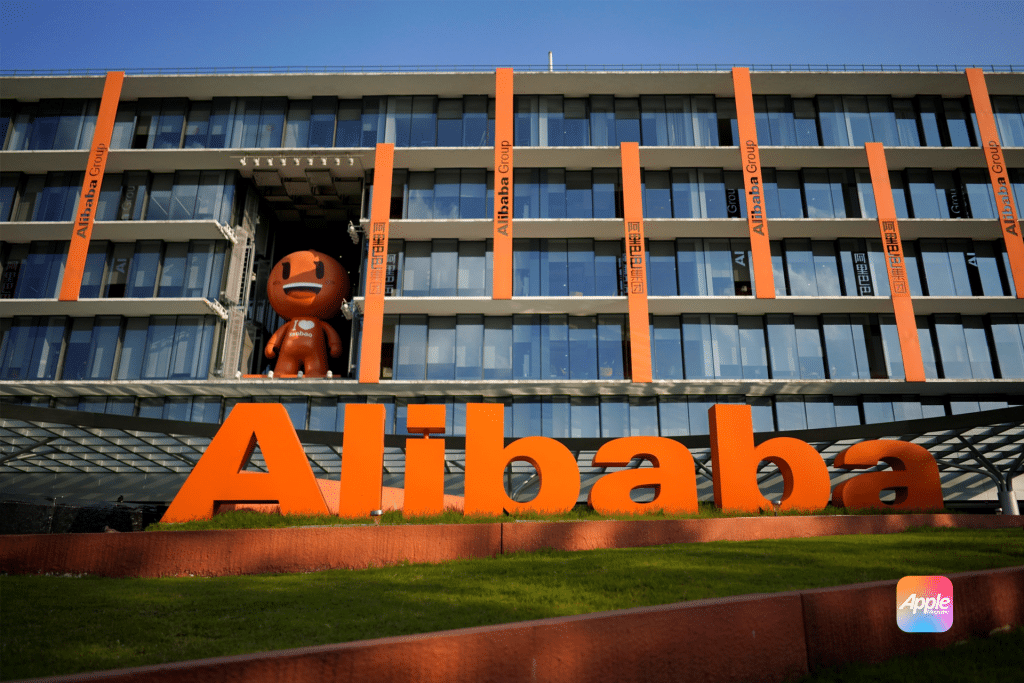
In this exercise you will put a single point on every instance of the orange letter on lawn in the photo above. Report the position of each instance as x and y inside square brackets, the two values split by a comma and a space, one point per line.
[487, 457]
[424, 461]
[673, 476]
[914, 476]
[218, 476]
[734, 461]
[362, 460]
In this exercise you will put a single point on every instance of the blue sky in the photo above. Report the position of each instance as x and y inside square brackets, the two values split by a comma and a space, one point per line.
[131, 34]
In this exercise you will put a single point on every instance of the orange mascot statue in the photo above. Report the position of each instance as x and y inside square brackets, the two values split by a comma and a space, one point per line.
[306, 287]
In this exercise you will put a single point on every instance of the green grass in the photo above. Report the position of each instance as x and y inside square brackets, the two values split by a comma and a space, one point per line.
[247, 519]
[979, 660]
[56, 624]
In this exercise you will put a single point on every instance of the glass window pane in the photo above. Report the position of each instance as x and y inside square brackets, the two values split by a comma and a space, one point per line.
[611, 346]
[697, 356]
[580, 263]
[657, 195]
[423, 123]
[576, 126]
[949, 333]
[526, 267]
[780, 120]
[661, 269]
[441, 348]
[159, 346]
[449, 122]
[883, 120]
[472, 193]
[666, 347]
[579, 195]
[469, 347]
[296, 132]
[800, 267]
[554, 348]
[690, 268]
[498, 348]
[446, 194]
[526, 354]
[102, 347]
[583, 347]
[818, 193]
[673, 416]
[321, 121]
[808, 344]
[416, 274]
[444, 271]
[1009, 348]
[805, 120]
[627, 120]
[553, 268]
[552, 193]
[410, 347]
[726, 347]
[607, 193]
[607, 256]
[172, 275]
[142, 278]
[832, 118]
[753, 354]
[977, 347]
[906, 123]
[472, 269]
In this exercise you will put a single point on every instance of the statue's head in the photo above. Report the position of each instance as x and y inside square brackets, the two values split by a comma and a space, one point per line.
[307, 283]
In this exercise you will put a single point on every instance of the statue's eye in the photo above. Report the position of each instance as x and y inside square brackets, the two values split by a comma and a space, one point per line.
[319, 270]
[286, 270]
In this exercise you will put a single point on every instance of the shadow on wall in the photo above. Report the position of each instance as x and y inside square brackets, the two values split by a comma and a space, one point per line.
[32, 518]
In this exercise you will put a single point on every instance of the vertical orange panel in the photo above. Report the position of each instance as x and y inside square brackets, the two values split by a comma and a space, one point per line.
[633, 214]
[376, 264]
[503, 138]
[1009, 222]
[757, 223]
[98, 151]
[902, 305]
[424, 461]
[362, 459]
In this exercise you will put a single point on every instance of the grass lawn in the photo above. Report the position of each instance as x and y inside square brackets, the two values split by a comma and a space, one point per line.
[54, 625]
[980, 660]
[247, 519]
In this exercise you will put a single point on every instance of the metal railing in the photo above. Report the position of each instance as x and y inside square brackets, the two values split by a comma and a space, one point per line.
[472, 68]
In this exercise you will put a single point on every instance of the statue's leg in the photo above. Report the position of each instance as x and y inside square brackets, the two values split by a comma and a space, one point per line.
[287, 365]
[315, 365]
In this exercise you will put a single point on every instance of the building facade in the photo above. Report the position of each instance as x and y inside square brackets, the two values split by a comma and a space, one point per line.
[605, 253]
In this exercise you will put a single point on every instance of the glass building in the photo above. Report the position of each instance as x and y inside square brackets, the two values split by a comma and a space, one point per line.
[211, 179]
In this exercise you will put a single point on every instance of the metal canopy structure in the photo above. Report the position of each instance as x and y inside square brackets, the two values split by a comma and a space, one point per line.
[976, 453]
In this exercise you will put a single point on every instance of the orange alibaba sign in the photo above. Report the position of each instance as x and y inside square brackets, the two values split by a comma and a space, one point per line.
[219, 478]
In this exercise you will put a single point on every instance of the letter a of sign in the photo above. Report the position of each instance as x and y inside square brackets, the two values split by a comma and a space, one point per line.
[218, 476]
[914, 477]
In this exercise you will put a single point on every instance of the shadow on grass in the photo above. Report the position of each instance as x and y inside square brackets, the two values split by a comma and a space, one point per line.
[55, 625]
[247, 519]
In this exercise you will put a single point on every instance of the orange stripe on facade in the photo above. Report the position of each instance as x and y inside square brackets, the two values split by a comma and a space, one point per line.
[757, 222]
[503, 139]
[899, 286]
[636, 264]
[1009, 222]
[376, 264]
[86, 216]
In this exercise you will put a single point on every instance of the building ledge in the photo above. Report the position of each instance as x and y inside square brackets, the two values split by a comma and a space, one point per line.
[426, 390]
[120, 231]
[130, 308]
